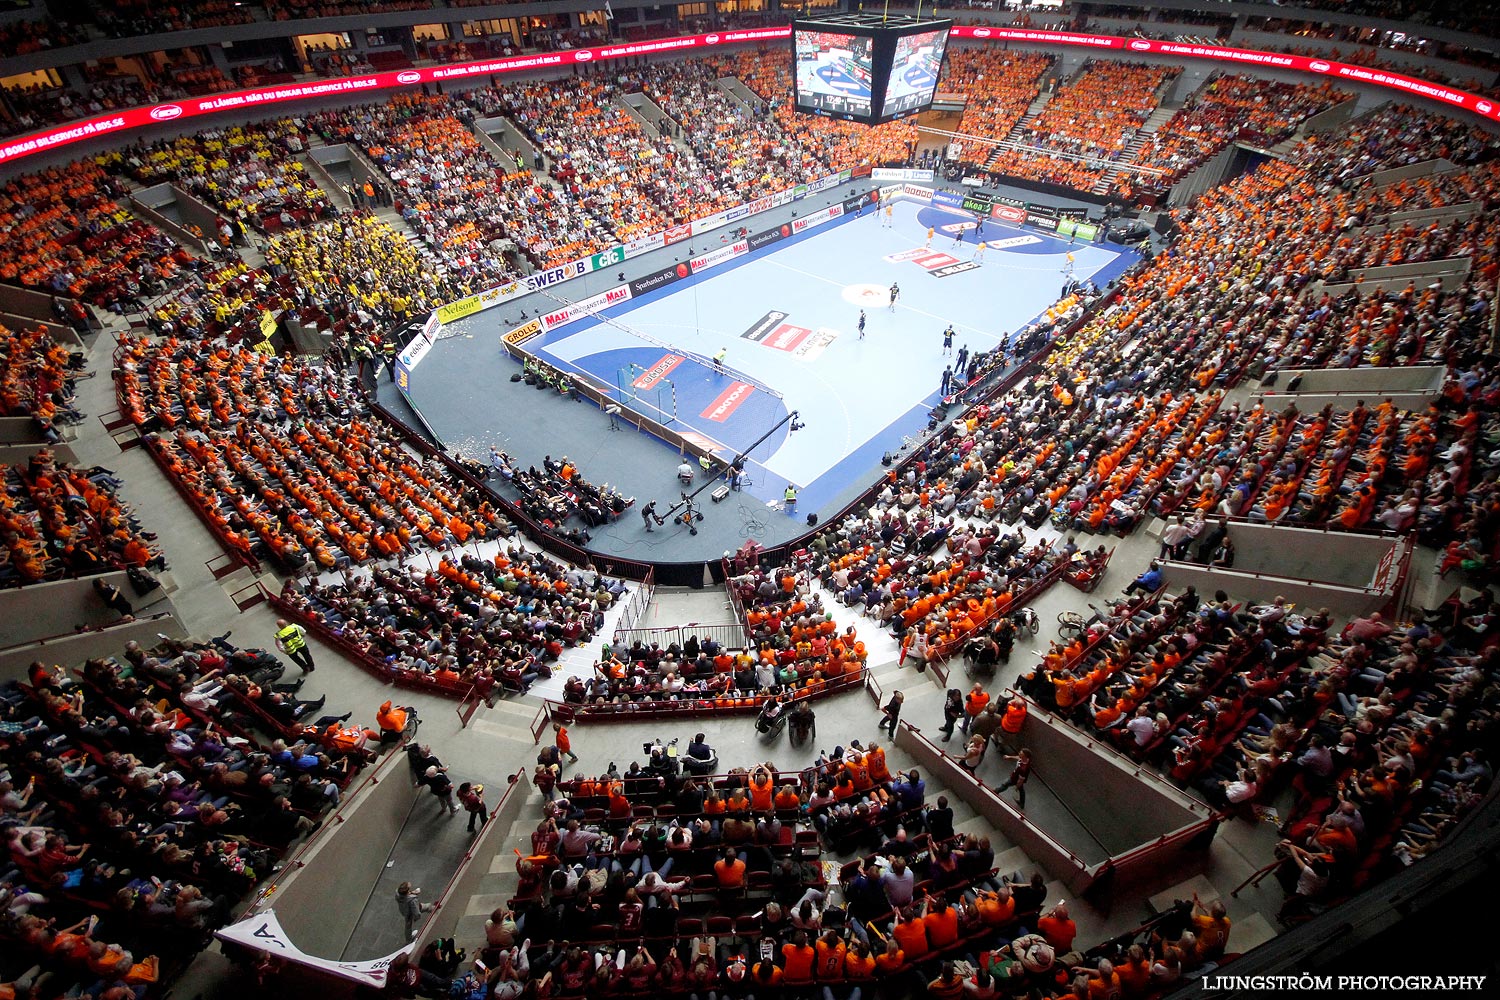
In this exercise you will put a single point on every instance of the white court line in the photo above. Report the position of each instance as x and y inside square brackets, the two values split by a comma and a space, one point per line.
[920, 312]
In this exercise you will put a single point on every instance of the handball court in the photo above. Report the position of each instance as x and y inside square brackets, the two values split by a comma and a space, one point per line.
[787, 319]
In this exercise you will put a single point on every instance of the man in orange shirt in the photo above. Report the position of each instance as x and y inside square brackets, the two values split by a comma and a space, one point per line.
[975, 703]
[1058, 928]
[910, 933]
[730, 870]
[797, 958]
[941, 922]
[829, 964]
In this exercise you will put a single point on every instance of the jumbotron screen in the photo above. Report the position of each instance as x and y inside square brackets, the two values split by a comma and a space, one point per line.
[834, 73]
[915, 68]
[867, 67]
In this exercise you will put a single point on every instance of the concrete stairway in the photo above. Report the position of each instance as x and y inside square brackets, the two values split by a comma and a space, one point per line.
[496, 886]
[1019, 129]
[1158, 117]
[737, 90]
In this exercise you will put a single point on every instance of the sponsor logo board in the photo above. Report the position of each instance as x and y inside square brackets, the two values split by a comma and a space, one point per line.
[562, 272]
[166, 112]
[1140, 45]
[1009, 213]
[676, 234]
[645, 244]
[523, 333]
[948, 199]
[709, 222]
[763, 326]
[817, 218]
[722, 408]
[768, 237]
[933, 260]
[719, 256]
[451, 311]
[894, 174]
[658, 371]
[589, 306]
[409, 76]
[607, 258]
[655, 280]
[811, 346]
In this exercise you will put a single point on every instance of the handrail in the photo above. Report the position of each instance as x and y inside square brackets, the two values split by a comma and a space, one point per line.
[460, 868]
[538, 724]
[636, 606]
[662, 708]
[88, 630]
[998, 799]
[350, 798]
[736, 633]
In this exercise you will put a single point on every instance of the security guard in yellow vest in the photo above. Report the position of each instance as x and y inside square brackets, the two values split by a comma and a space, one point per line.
[790, 496]
[291, 639]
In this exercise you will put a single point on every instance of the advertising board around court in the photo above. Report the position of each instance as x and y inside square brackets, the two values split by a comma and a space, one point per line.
[588, 307]
[902, 174]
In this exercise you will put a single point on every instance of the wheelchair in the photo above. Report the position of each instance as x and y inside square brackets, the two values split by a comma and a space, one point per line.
[770, 725]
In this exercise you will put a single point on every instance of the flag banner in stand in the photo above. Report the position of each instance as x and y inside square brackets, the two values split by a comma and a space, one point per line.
[263, 932]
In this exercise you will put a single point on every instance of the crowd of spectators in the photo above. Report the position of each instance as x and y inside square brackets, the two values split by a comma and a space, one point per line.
[1382, 732]
[36, 378]
[280, 459]
[361, 274]
[144, 17]
[1091, 120]
[1219, 111]
[247, 172]
[62, 232]
[999, 86]
[738, 153]
[290, 10]
[58, 520]
[227, 302]
[137, 795]
[487, 625]
[456, 196]
[37, 35]
[935, 582]
[619, 174]
[652, 878]
[36, 105]
[826, 145]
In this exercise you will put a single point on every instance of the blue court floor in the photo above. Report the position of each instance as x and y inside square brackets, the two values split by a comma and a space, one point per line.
[788, 319]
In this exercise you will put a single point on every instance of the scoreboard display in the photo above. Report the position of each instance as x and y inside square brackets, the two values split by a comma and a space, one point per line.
[865, 67]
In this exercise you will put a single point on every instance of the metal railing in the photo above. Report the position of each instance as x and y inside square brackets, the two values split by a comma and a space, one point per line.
[730, 635]
[636, 604]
